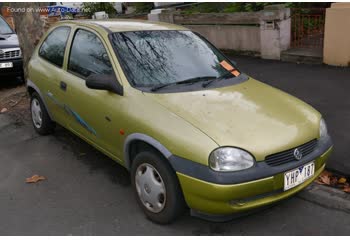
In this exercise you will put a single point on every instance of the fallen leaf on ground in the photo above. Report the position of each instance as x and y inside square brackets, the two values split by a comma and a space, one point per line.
[326, 173]
[346, 189]
[3, 110]
[333, 180]
[325, 179]
[319, 182]
[34, 179]
[342, 180]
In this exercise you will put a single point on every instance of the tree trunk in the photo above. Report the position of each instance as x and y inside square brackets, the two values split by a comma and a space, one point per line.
[29, 28]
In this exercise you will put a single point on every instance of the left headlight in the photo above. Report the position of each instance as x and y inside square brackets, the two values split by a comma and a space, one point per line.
[228, 159]
[323, 129]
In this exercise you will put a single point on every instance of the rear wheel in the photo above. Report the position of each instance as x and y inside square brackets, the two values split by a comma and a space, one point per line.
[157, 189]
[40, 117]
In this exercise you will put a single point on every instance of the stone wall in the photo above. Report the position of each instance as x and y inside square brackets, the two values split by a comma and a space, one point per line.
[266, 32]
[235, 37]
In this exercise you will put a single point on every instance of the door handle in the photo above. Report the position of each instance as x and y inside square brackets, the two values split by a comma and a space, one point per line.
[63, 86]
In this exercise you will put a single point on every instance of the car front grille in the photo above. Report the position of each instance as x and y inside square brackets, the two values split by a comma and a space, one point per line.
[288, 155]
[8, 54]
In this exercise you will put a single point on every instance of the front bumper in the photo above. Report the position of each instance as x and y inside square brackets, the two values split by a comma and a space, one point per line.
[15, 71]
[215, 199]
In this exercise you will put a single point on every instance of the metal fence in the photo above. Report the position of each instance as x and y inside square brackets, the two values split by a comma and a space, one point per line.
[307, 27]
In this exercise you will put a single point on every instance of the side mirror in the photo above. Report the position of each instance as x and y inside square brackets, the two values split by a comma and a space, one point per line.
[104, 82]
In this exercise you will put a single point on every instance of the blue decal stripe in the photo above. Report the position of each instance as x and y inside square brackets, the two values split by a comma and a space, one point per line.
[83, 123]
[76, 116]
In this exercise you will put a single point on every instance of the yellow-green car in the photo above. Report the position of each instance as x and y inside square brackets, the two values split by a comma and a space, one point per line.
[167, 105]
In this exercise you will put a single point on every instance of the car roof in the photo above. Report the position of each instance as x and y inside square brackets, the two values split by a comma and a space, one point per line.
[124, 25]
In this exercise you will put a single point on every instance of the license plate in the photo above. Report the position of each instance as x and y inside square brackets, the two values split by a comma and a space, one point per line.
[299, 175]
[6, 65]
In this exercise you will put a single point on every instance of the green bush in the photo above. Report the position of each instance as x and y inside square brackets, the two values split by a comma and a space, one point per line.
[142, 7]
[234, 7]
[255, 6]
[204, 8]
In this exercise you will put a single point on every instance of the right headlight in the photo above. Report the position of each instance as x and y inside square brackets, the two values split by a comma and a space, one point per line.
[229, 159]
[323, 129]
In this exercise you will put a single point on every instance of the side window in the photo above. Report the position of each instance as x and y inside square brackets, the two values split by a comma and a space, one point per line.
[54, 46]
[88, 55]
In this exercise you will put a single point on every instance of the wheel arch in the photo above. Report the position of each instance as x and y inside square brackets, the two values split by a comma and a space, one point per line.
[139, 139]
[32, 88]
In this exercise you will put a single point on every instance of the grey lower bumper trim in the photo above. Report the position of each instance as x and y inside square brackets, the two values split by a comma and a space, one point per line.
[230, 217]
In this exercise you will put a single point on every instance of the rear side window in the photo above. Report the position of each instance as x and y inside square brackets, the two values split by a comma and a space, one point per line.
[54, 46]
[88, 55]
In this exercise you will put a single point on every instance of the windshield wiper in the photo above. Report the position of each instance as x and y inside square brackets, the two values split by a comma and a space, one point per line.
[187, 81]
[210, 81]
[160, 86]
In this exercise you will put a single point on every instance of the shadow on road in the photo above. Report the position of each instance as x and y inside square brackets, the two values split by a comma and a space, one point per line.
[7, 83]
[92, 158]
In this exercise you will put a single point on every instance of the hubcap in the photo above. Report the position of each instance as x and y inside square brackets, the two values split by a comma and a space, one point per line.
[150, 188]
[36, 113]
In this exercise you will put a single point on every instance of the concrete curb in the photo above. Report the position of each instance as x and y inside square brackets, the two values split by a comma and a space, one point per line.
[327, 197]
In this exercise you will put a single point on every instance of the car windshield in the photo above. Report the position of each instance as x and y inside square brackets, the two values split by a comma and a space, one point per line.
[4, 27]
[155, 58]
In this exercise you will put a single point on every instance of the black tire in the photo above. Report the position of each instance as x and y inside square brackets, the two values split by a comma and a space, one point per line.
[47, 125]
[175, 203]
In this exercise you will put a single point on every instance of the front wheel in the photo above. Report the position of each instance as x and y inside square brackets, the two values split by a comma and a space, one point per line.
[157, 189]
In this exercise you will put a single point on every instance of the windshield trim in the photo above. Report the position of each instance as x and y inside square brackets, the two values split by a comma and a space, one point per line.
[242, 77]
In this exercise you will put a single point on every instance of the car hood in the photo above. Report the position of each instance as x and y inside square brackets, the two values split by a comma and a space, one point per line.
[8, 41]
[250, 115]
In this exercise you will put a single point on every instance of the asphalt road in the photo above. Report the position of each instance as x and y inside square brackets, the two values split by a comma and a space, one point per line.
[88, 194]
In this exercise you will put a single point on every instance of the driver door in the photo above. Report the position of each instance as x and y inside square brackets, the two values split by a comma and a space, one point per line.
[95, 113]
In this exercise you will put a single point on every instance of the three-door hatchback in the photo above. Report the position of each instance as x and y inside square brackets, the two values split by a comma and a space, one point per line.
[192, 129]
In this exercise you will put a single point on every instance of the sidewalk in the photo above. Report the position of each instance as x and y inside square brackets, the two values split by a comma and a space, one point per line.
[325, 88]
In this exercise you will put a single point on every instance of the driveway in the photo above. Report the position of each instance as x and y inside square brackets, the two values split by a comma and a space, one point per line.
[86, 193]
